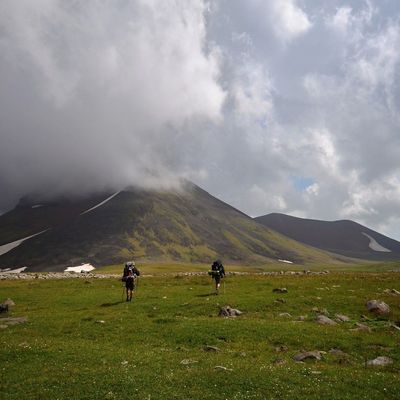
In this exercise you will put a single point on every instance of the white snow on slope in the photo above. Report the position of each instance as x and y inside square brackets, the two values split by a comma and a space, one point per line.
[100, 204]
[37, 206]
[14, 271]
[5, 248]
[286, 261]
[80, 268]
[374, 245]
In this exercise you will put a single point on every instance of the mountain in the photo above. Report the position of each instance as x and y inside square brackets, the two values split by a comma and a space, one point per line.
[342, 237]
[186, 225]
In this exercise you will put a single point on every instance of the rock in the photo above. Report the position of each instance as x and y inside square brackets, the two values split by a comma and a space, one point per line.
[280, 361]
[342, 318]
[14, 321]
[222, 368]
[3, 308]
[187, 361]
[302, 318]
[378, 307]
[211, 348]
[100, 321]
[285, 314]
[9, 303]
[2, 326]
[392, 291]
[337, 352]
[361, 327]
[280, 301]
[380, 361]
[281, 348]
[313, 355]
[280, 290]
[324, 320]
[229, 312]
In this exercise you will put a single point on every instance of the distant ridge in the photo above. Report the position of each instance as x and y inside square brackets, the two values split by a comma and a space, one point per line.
[342, 237]
[187, 225]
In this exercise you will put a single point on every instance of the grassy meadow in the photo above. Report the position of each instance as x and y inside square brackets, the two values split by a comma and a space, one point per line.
[83, 341]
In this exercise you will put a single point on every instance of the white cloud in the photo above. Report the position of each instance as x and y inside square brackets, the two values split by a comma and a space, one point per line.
[288, 20]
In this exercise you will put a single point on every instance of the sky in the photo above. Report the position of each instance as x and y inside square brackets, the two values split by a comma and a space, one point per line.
[288, 106]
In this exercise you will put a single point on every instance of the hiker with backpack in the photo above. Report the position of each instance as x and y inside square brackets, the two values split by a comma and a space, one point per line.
[217, 272]
[129, 277]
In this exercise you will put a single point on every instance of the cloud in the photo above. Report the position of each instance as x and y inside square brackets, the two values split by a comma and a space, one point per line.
[288, 20]
[239, 96]
[91, 91]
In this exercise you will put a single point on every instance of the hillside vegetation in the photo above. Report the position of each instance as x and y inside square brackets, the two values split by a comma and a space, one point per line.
[188, 226]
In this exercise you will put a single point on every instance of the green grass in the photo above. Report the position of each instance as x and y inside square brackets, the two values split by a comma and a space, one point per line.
[64, 353]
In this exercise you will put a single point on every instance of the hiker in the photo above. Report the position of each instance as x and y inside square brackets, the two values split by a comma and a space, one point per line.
[217, 272]
[129, 277]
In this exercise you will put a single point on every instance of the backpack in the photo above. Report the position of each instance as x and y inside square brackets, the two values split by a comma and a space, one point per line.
[217, 269]
[130, 267]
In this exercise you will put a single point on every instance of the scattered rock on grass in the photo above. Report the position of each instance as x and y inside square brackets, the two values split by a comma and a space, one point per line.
[14, 320]
[3, 308]
[227, 311]
[302, 317]
[280, 301]
[281, 348]
[380, 361]
[211, 348]
[187, 361]
[378, 307]
[312, 355]
[222, 368]
[342, 318]
[280, 361]
[324, 320]
[392, 291]
[280, 290]
[9, 303]
[361, 327]
[285, 314]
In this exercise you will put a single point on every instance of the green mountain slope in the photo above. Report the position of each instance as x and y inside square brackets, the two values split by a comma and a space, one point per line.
[189, 225]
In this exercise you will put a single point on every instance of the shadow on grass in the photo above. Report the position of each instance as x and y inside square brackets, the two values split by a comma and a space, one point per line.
[112, 304]
[206, 294]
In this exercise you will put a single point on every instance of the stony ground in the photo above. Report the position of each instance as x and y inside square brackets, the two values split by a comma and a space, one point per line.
[300, 336]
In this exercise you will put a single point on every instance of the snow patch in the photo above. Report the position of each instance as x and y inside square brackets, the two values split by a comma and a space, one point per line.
[80, 268]
[13, 271]
[286, 261]
[5, 248]
[374, 245]
[100, 204]
[37, 205]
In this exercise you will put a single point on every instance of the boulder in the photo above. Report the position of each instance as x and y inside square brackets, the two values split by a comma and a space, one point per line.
[227, 311]
[9, 303]
[211, 348]
[312, 355]
[14, 320]
[324, 320]
[342, 318]
[361, 327]
[280, 290]
[378, 307]
[381, 361]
